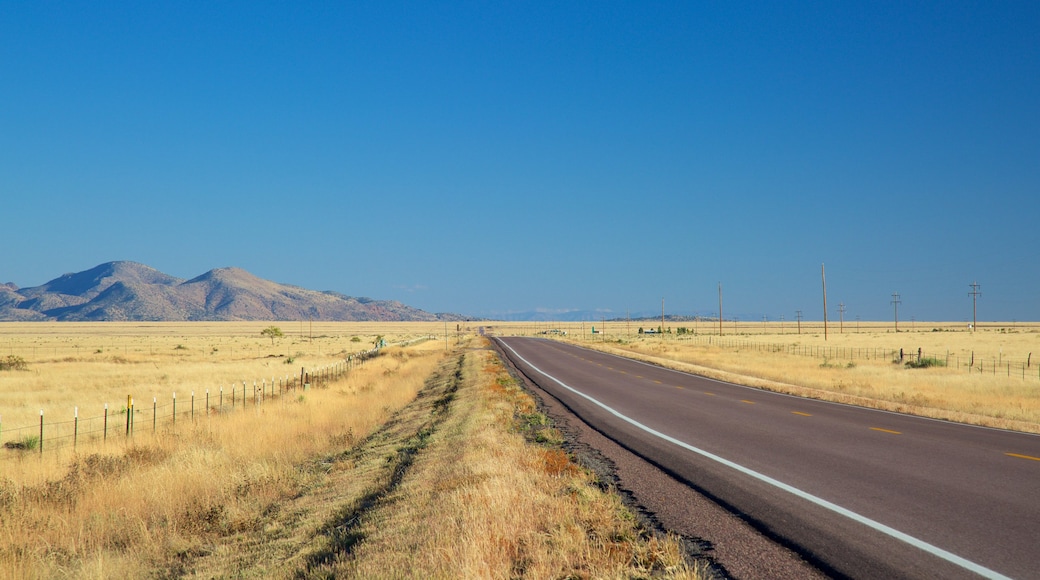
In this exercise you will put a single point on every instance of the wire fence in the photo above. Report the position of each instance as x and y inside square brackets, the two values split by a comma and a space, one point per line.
[999, 366]
[915, 356]
[137, 416]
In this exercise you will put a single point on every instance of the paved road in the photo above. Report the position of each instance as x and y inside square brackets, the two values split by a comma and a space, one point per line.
[862, 493]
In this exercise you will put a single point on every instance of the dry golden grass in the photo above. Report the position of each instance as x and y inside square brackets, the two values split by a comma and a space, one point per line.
[482, 502]
[263, 491]
[150, 506]
[87, 365]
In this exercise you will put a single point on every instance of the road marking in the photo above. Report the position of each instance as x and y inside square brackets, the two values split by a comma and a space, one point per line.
[889, 531]
[711, 394]
[885, 430]
[747, 401]
[1022, 456]
[801, 413]
[659, 382]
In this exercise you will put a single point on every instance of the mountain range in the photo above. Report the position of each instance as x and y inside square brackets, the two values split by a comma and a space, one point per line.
[131, 291]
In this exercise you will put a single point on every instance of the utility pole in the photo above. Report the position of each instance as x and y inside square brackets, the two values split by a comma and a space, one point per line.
[782, 324]
[895, 305]
[823, 276]
[974, 297]
[662, 318]
[841, 318]
[720, 308]
[798, 314]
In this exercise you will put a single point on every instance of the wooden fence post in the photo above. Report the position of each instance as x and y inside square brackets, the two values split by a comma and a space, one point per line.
[41, 431]
[75, 426]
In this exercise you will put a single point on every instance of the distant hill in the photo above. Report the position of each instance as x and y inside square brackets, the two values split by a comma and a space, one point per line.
[131, 291]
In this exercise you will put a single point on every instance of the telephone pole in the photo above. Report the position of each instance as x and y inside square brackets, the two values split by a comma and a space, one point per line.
[841, 318]
[662, 318]
[720, 308]
[823, 276]
[974, 297]
[895, 305]
[798, 314]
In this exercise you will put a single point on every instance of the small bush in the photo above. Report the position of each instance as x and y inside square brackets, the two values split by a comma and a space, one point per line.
[13, 363]
[27, 443]
[925, 362]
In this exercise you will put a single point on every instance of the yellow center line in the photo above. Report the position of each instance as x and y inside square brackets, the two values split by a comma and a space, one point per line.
[885, 430]
[801, 413]
[707, 393]
[1022, 456]
[747, 401]
[658, 382]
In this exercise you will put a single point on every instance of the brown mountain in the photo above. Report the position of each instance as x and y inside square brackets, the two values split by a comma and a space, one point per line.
[132, 291]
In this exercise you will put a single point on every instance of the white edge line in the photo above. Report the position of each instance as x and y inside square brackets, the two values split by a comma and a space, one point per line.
[892, 532]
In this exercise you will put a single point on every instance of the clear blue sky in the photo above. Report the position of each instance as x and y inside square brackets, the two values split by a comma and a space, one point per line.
[483, 158]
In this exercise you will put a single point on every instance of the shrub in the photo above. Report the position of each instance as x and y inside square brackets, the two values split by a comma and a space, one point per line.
[925, 362]
[13, 363]
[27, 443]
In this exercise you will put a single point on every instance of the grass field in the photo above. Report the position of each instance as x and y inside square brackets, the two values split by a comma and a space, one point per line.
[413, 464]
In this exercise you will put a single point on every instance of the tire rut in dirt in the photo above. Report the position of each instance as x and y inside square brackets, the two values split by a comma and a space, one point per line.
[344, 530]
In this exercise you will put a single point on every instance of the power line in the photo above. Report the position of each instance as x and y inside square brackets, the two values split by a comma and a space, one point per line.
[895, 304]
[974, 297]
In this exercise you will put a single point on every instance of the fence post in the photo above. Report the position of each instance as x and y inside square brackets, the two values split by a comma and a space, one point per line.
[75, 426]
[207, 402]
[128, 415]
[105, 436]
[175, 408]
[193, 407]
[131, 416]
[41, 431]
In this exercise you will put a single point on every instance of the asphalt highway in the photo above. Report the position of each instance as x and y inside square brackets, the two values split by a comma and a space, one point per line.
[860, 493]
